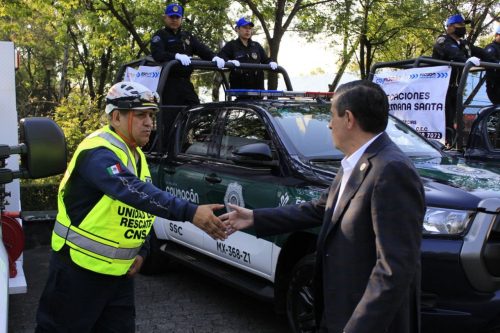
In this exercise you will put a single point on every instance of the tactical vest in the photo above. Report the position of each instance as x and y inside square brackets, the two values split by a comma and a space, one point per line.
[112, 233]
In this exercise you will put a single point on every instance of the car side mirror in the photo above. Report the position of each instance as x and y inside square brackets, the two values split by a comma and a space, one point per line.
[46, 153]
[258, 154]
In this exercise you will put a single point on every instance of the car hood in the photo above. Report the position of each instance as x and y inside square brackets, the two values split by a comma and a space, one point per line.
[480, 179]
[448, 182]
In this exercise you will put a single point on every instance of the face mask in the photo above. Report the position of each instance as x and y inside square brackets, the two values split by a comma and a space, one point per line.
[460, 32]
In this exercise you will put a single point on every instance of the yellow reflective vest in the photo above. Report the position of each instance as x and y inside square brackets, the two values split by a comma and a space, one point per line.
[112, 233]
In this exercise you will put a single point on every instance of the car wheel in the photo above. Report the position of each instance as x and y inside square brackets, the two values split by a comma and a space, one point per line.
[156, 262]
[300, 296]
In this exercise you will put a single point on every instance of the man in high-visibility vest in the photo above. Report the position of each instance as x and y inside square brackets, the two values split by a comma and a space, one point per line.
[106, 207]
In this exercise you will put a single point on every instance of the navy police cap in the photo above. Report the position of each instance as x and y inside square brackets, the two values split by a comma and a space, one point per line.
[174, 9]
[242, 22]
[457, 18]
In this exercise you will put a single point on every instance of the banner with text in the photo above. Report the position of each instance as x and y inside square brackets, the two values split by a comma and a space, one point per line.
[417, 96]
[145, 75]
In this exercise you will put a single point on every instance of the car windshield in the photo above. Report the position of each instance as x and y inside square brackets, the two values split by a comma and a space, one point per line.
[307, 128]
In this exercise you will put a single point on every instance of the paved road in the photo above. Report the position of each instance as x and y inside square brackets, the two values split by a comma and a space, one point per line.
[179, 301]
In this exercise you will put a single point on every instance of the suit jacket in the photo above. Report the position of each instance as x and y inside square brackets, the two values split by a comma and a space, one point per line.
[367, 275]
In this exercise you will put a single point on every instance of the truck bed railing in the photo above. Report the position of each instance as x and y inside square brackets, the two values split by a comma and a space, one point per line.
[198, 64]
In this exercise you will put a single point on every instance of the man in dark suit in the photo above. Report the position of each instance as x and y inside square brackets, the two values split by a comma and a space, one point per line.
[368, 252]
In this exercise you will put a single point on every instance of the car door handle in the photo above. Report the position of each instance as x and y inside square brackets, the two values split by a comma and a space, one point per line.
[213, 179]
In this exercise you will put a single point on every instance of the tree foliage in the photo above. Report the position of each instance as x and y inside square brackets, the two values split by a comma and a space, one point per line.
[72, 49]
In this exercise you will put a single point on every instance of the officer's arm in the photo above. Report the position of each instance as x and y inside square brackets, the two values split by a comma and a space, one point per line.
[96, 167]
[263, 56]
[158, 50]
[201, 50]
[479, 52]
[226, 52]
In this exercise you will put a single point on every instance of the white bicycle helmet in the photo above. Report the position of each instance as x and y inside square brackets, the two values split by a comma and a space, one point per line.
[131, 95]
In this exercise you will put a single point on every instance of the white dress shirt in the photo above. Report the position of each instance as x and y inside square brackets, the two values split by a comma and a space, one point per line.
[348, 164]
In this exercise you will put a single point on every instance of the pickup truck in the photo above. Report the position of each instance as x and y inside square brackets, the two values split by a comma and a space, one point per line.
[277, 150]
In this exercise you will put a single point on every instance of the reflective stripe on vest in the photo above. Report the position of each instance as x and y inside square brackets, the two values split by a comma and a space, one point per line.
[92, 245]
[120, 145]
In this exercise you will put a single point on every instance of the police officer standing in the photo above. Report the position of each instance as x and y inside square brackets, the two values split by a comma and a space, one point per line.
[452, 47]
[493, 75]
[106, 207]
[245, 50]
[172, 43]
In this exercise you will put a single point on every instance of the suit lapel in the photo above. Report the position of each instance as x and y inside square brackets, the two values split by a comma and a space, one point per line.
[357, 176]
[356, 179]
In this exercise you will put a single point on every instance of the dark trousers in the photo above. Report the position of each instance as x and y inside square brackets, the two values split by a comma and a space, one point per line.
[77, 300]
[450, 112]
[179, 91]
[493, 90]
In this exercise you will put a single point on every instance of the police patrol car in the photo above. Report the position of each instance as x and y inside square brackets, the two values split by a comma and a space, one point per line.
[278, 151]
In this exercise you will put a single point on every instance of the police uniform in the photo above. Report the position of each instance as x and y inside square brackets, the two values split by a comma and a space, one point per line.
[252, 53]
[492, 52]
[448, 49]
[164, 45]
[106, 207]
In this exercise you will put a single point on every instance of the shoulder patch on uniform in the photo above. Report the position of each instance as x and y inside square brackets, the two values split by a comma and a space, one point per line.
[155, 39]
[440, 40]
[114, 169]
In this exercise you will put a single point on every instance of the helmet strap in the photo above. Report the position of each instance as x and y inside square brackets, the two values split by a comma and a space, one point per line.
[129, 140]
[133, 143]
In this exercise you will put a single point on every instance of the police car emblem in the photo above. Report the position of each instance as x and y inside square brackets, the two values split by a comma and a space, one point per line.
[234, 195]
[254, 55]
[284, 198]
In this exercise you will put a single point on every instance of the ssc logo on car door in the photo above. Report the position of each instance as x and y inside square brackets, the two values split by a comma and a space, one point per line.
[234, 195]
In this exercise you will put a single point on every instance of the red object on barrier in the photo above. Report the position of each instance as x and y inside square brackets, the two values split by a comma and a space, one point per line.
[13, 239]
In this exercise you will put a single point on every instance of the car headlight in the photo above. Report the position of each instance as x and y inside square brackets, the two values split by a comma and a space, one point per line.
[442, 221]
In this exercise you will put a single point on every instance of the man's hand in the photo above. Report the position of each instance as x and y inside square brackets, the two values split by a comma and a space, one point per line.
[136, 266]
[273, 65]
[205, 219]
[234, 62]
[184, 59]
[220, 62]
[239, 218]
[475, 61]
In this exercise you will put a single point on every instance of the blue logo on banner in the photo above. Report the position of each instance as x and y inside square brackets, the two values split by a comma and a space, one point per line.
[153, 75]
[438, 75]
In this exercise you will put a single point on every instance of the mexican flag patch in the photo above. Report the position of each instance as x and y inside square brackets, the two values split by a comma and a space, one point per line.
[114, 169]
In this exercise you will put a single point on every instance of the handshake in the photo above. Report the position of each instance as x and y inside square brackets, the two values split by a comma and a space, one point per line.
[223, 226]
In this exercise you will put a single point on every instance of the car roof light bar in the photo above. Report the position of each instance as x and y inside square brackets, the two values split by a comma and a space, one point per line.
[278, 93]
